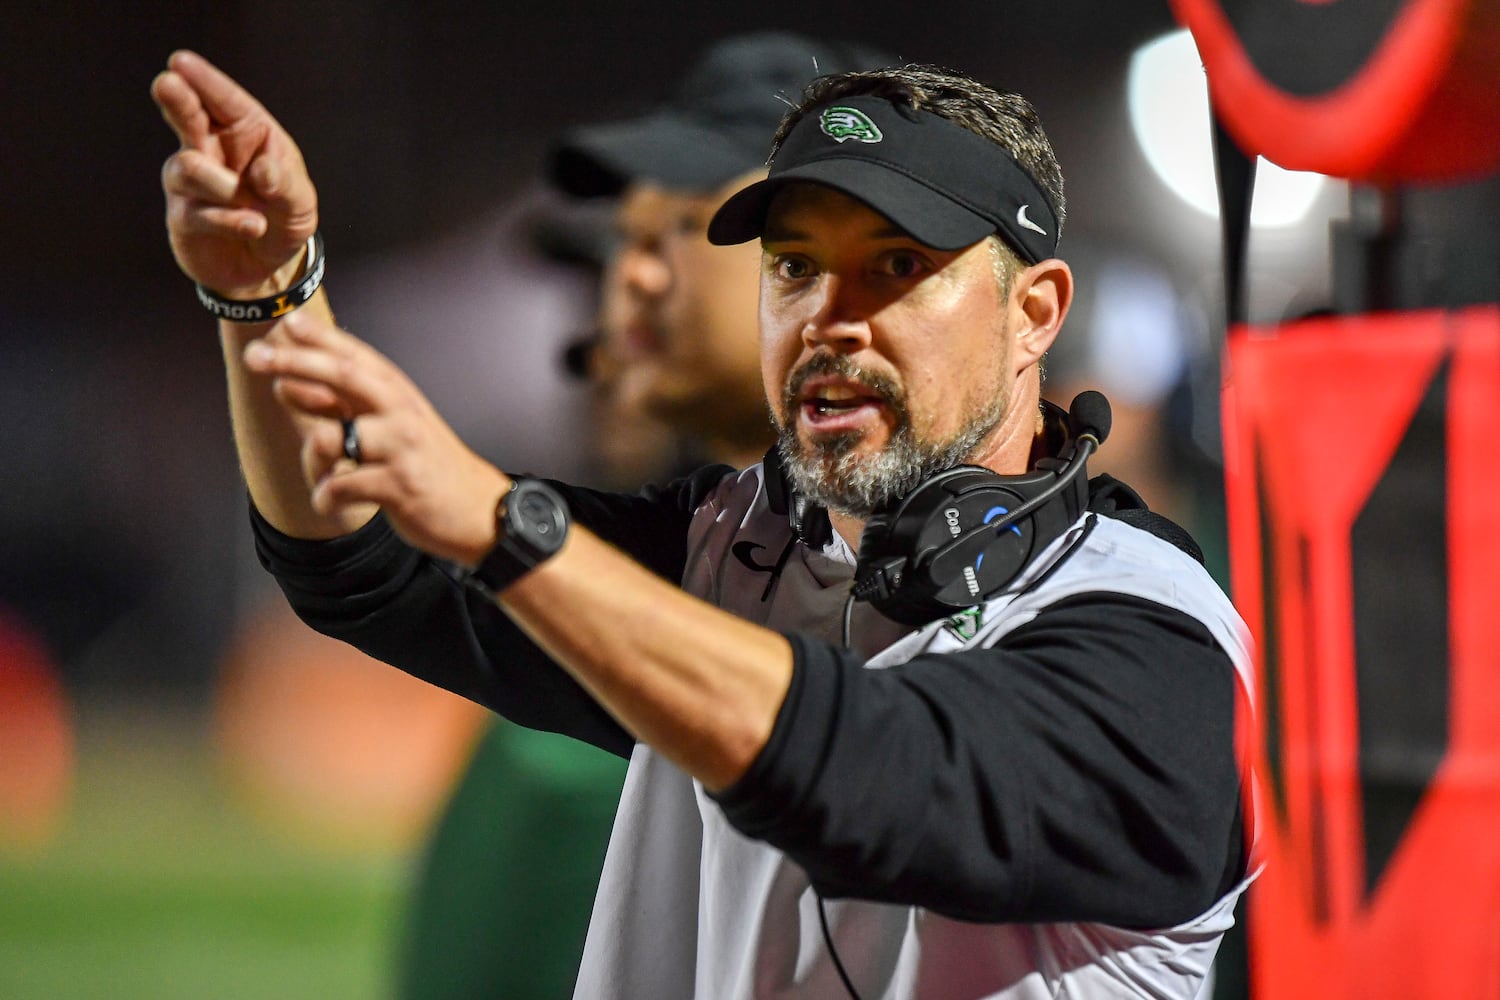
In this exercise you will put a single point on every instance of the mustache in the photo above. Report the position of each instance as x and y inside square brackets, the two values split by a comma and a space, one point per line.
[823, 365]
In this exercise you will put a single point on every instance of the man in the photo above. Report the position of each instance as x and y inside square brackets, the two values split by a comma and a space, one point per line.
[501, 904]
[1036, 796]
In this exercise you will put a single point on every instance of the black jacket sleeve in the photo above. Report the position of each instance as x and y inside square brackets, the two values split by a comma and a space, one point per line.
[1082, 769]
[379, 594]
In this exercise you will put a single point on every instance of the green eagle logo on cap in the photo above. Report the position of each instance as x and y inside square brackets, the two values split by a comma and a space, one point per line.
[841, 123]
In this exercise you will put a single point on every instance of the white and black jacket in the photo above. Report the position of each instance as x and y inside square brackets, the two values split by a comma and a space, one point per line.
[1038, 798]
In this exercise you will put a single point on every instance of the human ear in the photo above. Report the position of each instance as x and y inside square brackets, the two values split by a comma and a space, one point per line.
[1040, 295]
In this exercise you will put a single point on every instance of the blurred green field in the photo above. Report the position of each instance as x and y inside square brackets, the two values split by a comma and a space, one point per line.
[159, 885]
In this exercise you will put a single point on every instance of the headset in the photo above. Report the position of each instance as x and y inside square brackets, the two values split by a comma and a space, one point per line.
[961, 536]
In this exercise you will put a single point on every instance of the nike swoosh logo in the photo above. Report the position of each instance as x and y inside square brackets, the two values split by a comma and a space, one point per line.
[1026, 223]
[745, 553]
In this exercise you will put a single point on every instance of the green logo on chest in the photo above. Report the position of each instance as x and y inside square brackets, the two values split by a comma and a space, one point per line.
[965, 624]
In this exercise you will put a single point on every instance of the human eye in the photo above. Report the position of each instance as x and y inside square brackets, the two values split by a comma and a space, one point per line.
[691, 223]
[636, 238]
[903, 263]
[791, 266]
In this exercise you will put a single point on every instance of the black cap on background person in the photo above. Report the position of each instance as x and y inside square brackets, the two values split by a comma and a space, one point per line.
[715, 125]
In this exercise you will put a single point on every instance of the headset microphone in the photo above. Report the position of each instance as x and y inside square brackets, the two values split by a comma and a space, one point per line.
[1090, 415]
[963, 535]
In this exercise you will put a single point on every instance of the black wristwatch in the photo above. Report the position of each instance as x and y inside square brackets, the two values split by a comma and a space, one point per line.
[531, 521]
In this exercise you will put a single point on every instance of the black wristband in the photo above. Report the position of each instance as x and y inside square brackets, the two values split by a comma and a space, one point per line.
[272, 306]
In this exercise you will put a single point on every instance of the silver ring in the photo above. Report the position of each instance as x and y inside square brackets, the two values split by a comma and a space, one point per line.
[351, 442]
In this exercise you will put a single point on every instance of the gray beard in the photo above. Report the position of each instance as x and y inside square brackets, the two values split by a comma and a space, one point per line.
[832, 475]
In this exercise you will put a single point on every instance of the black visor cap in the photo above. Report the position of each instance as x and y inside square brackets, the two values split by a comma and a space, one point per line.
[936, 180]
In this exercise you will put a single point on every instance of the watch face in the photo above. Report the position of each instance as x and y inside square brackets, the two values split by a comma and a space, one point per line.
[536, 518]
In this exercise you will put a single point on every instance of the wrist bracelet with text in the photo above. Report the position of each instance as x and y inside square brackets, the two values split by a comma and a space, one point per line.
[272, 306]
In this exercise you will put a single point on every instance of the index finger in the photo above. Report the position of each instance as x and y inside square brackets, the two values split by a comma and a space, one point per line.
[319, 353]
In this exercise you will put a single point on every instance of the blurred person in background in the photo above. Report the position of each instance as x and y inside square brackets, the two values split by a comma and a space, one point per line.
[502, 901]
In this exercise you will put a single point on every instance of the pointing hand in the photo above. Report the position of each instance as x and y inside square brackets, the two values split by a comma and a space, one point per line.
[240, 203]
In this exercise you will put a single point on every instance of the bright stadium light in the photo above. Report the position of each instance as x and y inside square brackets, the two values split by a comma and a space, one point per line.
[1168, 96]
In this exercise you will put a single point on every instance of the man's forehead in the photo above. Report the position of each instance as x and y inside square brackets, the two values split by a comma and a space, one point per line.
[647, 198]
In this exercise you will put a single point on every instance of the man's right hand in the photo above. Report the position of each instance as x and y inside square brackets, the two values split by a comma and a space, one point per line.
[240, 203]
[240, 209]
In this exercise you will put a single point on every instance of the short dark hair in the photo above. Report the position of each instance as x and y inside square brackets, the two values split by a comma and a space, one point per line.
[1004, 118]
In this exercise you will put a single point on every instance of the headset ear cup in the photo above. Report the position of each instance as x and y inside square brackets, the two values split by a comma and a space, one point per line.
[1002, 560]
[932, 554]
[891, 572]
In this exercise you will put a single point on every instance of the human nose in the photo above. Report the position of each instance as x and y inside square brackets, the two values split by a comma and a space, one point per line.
[642, 268]
[836, 320]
